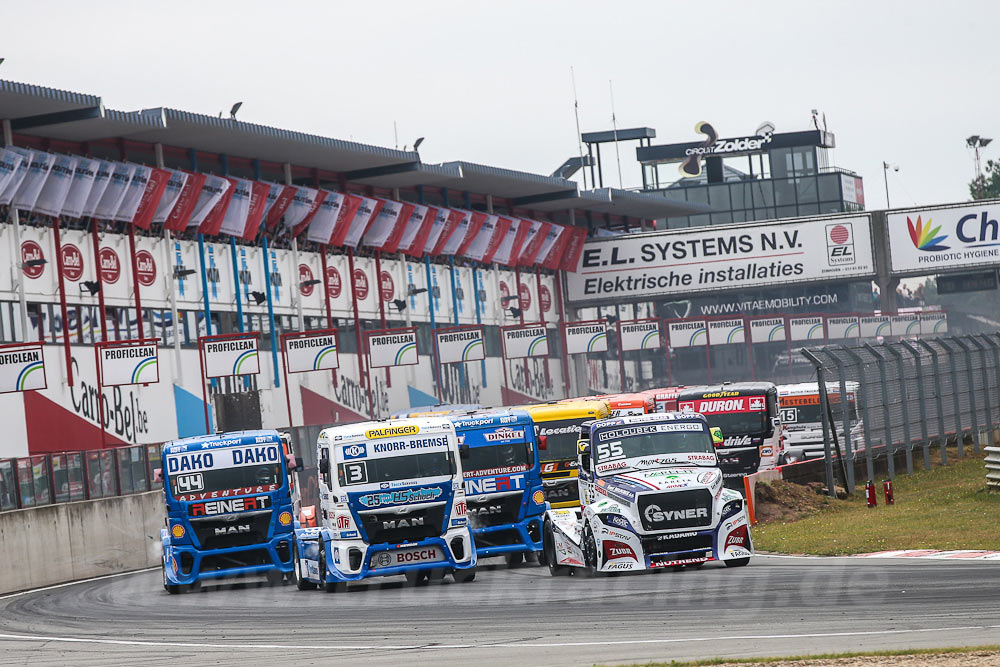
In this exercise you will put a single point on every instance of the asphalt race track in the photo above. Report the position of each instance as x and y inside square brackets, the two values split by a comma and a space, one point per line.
[775, 606]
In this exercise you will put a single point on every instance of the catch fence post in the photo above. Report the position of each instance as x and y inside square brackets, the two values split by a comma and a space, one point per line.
[943, 440]
[920, 400]
[972, 391]
[905, 402]
[956, 404]
[890, 445]
[863, 399]
[823, 405]
[984, 370]
[845, 414]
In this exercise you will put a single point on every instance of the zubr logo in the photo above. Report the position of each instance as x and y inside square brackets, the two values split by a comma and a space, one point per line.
[924, 238]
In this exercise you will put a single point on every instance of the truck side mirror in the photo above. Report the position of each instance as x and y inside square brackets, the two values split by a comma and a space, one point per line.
[717, 438]
[293, 463]
[543, 442]
[157, 475]
[324, 465]
[583, 449]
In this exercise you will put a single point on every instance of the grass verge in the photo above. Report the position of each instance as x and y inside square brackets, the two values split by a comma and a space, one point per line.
[947, 507]
[823, 656]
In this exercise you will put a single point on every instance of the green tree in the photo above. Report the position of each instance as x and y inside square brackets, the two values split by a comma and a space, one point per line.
[987, 186]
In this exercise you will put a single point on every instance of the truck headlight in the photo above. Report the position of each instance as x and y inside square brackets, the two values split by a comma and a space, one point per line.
[732, 508]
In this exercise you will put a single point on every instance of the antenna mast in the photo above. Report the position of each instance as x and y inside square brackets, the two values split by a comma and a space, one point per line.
[579, 137]
[614, 124]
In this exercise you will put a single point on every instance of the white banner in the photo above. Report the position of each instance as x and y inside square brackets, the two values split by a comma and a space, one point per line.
[506, 250]
[905, 324]
[584, 338]
[34, 179]
[710, 259]
[413, 226]
[639, 335]
[235, 219]
[321, 228]
[458, 236]
[482, 239]
[768, 330]
[301, 204]
[932, 324]
[873, 326]
[461, 345]
[725, 332]
[440, 222]
[805, 328]
[129, 364]
[392, 347]
[133, 194]
[79, 190]
[102, 179]
[842, 327]
[383, 225]
[957, 237]
[316, 352]
[211, 193]
[10, 163]
[362, 218]
[114, 193]
[53, 195]
[526, 341]
[22, 368]
[170, 195]
[231, 356]
[687, 334]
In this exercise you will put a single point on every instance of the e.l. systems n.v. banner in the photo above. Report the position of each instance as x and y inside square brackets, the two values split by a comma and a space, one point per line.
[722, 258]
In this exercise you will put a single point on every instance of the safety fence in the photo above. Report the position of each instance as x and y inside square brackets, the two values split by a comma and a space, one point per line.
[45, 479]
[909, 401]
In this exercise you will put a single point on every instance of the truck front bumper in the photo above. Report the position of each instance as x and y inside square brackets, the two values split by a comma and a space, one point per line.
[185, 564]
[523, 536]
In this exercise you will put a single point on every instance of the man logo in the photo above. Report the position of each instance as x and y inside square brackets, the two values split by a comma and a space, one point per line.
[233, 530]
[403, 523]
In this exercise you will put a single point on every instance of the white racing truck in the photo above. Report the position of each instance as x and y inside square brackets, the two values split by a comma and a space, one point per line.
[392, 502]
[651, 496]
[802, 419]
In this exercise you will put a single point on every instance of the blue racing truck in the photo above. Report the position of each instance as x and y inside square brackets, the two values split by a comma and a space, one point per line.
[229, 509]
[391, 502]
[503, 483]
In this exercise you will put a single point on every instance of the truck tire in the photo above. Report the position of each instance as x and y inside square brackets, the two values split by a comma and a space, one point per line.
[328, 586]
[514, 559]
[464, 576]
[416, 577]
[173, 589]
[590, 557]
[275, 577]
[549, 553]
[300, 582]
[737, 562]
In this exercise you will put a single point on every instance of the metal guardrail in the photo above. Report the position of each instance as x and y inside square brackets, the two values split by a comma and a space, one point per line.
[914, 395]
[46, 479]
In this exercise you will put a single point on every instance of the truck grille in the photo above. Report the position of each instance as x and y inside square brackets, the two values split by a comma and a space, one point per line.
[240, 532]
[655, 545]
[739, 463]
[494, 511]
[389, 527]
[676, 510]
[565, 491]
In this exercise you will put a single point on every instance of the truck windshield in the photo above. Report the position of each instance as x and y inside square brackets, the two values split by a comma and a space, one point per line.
[396, 468]
[242, 479]
[497, 459]
[739, 423]
[562, 436]
[656, 441]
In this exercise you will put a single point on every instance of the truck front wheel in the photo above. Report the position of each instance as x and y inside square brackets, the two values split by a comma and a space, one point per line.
[589, 552]
[464, 576]
[514, 559]
[328, 586]
[173, 589]
[737, 562]
[300, 581]
[549, 553]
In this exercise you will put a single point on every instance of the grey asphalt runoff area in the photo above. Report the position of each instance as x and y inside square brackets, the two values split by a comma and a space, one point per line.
[775, 606]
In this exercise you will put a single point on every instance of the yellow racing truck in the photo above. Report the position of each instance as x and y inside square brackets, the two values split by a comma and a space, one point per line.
[558, 427]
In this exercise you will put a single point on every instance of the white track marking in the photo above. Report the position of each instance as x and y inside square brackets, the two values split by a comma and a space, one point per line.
[490, 645]
[74, 583]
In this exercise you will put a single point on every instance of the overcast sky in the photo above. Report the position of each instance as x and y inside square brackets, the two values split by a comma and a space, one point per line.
[489, 82]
